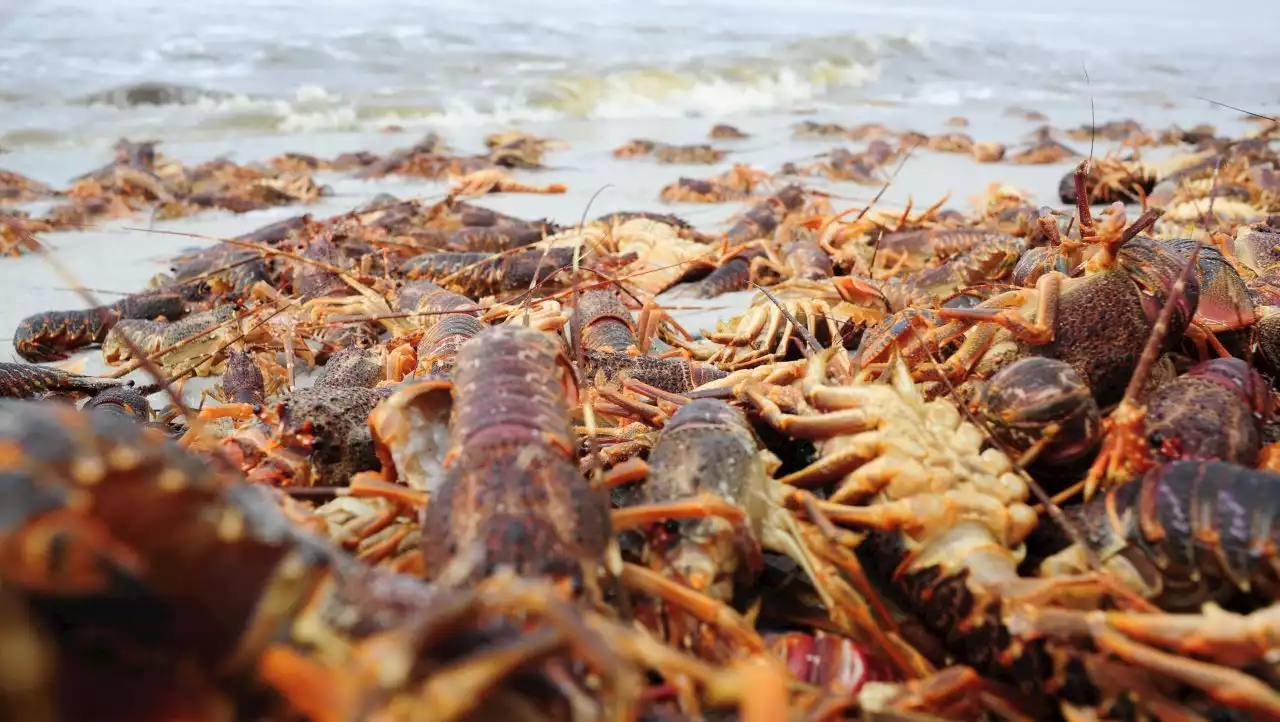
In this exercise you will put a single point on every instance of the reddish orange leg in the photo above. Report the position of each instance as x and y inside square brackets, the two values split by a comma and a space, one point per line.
[846, 421]
[371, 484]
[455, 692]
[677, 352]
[242, 412]
[1125, 453]
[1269, 459]
[1205, 339]
[699, 507]
[385, 547]
[633, 469]
[322, 693]
[765, 691]
[1003, 310]
[907, 327]
[650, 322]
[958, 365]
[1227, 686]
[954, 693]
[654, 392]
[703, 608]
[650, 415]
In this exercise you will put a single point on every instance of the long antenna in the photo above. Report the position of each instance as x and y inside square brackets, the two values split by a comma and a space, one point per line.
[812, 345]
[157, 374]
[1239, 110]
[1093, 116]
[579, 359]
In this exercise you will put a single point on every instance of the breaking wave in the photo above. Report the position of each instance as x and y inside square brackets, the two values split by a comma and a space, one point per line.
[636, 93]
[504, 88]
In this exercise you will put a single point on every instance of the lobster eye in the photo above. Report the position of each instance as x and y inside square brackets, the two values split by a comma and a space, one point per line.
[671, 526]
[1156, 439]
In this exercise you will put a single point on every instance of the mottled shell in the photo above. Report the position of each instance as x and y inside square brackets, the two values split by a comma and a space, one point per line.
[1025, 398]
[1214, 411]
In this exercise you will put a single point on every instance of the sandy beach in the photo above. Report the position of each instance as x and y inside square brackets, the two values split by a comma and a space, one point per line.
[121, 256]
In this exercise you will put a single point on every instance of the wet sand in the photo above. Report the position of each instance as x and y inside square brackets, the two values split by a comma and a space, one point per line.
[121, 256]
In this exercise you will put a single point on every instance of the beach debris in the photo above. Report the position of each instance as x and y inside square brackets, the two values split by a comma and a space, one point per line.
[724, 131]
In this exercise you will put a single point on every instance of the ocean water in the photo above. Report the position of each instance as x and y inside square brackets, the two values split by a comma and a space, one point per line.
[73, 71]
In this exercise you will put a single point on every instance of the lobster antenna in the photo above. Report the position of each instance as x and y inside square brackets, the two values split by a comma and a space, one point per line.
[533, 282]
[875, 250]
[1239, 110]
[134, 364]
[1130, 412]
[195, 364]
[579, 359]
[1093, 116]
[1206, 216]
[1151, 352]
[157, 375]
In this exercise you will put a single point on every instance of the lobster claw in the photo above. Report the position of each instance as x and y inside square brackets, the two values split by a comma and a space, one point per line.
[861, 292]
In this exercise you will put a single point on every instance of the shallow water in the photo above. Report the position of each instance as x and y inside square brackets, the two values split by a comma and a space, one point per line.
[77, 70]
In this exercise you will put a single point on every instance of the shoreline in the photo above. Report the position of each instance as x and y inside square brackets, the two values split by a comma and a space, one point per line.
[122, 256]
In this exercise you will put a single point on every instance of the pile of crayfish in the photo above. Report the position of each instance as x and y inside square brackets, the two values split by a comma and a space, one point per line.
[1015, 463]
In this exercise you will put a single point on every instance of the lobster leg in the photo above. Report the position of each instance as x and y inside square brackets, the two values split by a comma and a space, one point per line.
[453, 693]
[908, 330]
[653, 392]
[1003, 310]
[845, 606]
[1125, 452]
[650, 415]
[1229, 639]
[780, 328]
[766, 271]
[953, 693]
[834, 467]
[616, 455]
[808, 427]
[1114, 633]
[1227, 686]
[240, 412]
[702, 607]
[764, 697]
[754, 358]
[400, 363]
[382, 549]
[650, 321]
[633, 469]
[958, 365]
[916, 514]
[833, 559]
[699, 507]
[322, 693]
[747, 328]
